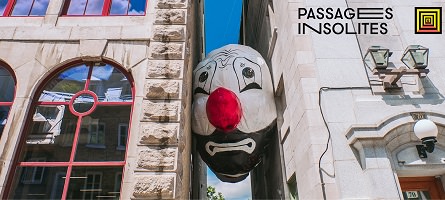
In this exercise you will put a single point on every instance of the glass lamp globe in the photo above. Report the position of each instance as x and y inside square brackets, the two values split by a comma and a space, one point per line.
[425, 128]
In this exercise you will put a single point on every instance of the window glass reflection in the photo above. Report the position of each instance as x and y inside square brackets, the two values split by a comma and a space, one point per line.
[137, 7]
[7, 85]
[65, 85]
[122, 136]
[21, 8]
[110, 85]
[4, 111]
[51, 134]
[39, 182]
[94, 7]
[39, 7]
[99, 134]
[98, 7]
[119, 7]
[2, 6]
[83, 103]
[94, 183]
[77, 7]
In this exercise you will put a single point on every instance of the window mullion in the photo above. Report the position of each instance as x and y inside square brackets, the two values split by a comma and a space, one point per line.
[30, 9]
[8, 9]
[73, 153]
[75, 140]
[67, 181]
[128, 6]
[85, 9]
[65, 7]
[90, 72]
[106, 8]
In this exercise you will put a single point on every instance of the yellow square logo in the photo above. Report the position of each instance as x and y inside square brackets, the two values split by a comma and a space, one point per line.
[428, 20]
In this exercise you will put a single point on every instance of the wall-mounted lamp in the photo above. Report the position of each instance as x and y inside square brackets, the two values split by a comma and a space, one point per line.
[377, 57]
[415, 57]
[426, 130]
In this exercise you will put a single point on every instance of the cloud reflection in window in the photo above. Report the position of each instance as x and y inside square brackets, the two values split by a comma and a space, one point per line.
[27, 8]
[118, 7]
[124, 7]
[39, 8]
[2, 6]
[80, 7]
[94, 7]
[77, 7]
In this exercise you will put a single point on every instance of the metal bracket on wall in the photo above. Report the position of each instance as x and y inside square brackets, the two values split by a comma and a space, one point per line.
[391, 77]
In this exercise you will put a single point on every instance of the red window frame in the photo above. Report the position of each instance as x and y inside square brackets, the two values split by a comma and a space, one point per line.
[8, 103]
[105, 9]
[10, 7]
[71, 163]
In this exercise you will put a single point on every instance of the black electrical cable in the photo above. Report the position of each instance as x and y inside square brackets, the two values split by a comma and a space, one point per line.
[320, 170]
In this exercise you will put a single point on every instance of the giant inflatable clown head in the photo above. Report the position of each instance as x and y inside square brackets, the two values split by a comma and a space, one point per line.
[233, 110]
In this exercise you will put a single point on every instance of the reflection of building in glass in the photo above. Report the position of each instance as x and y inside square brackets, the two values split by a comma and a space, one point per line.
[76, 127]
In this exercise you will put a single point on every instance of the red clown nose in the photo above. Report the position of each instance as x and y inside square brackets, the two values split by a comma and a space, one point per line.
[224, 109]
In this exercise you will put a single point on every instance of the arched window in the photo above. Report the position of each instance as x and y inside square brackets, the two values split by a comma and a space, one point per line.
[7, 88]
[75, 141]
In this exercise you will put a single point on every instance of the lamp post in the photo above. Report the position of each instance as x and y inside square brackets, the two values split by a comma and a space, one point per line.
[425, 130]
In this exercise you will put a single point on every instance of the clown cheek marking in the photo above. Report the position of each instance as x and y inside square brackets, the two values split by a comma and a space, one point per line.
[223, 109]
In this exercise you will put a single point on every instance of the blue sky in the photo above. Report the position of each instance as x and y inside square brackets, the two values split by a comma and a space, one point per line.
[222, 23]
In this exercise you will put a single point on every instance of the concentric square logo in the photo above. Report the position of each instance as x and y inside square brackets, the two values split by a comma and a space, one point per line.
[428, 20]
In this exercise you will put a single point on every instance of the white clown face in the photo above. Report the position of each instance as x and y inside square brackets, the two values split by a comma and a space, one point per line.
[233, 110]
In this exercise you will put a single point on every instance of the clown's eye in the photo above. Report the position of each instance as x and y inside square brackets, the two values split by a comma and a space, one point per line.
[248, 72]
[202, 80]
[203, 77]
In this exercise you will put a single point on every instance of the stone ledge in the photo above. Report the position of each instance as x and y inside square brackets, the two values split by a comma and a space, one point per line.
[154, 187]
[158, 159]
[158, 134]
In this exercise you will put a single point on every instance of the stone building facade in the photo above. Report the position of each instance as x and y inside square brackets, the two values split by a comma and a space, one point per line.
[155, 50]
[341, 134]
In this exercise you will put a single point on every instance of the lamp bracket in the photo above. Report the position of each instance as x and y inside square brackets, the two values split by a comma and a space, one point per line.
[391, 77]
[421, 151]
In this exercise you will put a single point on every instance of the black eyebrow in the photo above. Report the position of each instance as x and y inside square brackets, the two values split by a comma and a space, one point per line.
[252, 85]
[200, 90]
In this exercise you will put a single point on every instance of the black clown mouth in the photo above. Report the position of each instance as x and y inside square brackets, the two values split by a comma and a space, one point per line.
[247, 145]
[232, 155]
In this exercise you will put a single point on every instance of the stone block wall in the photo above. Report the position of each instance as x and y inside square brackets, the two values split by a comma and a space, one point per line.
[163, 150]
[158, 50]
